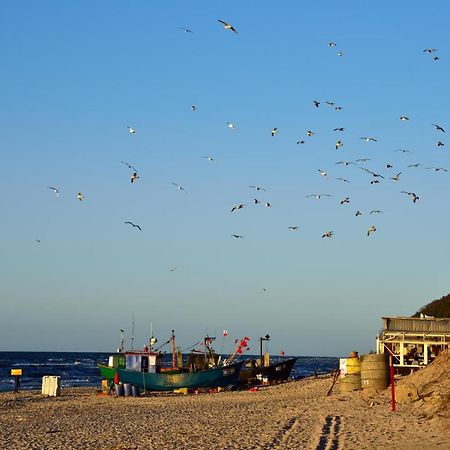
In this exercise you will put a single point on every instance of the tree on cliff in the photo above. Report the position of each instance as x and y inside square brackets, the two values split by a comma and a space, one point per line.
[436, 308]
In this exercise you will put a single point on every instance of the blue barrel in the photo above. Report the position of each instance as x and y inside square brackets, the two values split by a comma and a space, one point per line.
[135, 391]
[119, 389]
[127, 389]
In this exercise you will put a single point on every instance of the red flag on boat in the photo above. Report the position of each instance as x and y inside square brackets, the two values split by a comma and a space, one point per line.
[225, 332]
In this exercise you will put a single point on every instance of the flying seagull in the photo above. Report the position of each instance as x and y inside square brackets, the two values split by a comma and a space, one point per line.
[329, 103]
[186, 30]
[430, 50]
[180, 188]
[363, 160]
[209, 158]
[310, 133]
[373, 173]
[54, 190]
[322, 172]
[131, 130]
[402, 150]
[340, 53]
[257, 188]
[268, 205]
[327, 234]
[346, 163]
[339, 144]
[389, 166]
[343, 179]
[438, 128]
[193, 108]
[295, 228]
[331, 44]
[437, 169]
[231, 126]
[237, 207]
[173, 269]
[300, 142]
[439, 144]
[134, 177]
[345, 200]
[358, 213]
[316, 103]
[274, 131]
[134, 225]
[129, 165]
[371, 229]
[414, 165]
[80, 196]
[413, 196]
[396, 177]
[318, 195]
[338, 108]
[376, 211]
[237, 236]
[404, 118]
[227, 26]
[368, 139]
[256, 201]
[339, 129]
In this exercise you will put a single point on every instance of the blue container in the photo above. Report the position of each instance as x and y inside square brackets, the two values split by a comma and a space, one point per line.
[119, 390]
[135, 391]
[127, 389]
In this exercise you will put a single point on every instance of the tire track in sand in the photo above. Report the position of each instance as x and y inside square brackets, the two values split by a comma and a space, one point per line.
[329, 439]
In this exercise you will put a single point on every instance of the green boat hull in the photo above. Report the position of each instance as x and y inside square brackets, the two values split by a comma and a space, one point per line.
[168, 381]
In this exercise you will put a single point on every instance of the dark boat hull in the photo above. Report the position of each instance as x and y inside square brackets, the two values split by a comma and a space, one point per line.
[167, 381]
[273, 373]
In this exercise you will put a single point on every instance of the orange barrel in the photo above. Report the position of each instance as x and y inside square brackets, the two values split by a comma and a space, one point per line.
[374, 371]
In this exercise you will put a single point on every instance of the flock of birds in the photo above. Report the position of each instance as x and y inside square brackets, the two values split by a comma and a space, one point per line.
[359, 164]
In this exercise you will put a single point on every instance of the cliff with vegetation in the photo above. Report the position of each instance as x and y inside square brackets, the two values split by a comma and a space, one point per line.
[436, 308]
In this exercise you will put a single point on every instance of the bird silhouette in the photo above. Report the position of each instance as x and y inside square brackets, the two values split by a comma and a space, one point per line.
[134, 225]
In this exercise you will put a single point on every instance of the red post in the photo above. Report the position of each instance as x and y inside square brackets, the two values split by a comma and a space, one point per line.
[391, 366]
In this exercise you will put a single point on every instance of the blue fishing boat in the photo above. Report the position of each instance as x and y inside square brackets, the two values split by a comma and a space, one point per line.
[144, 369]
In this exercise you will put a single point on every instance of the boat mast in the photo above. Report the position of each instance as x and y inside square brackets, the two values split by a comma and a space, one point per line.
[132, 332]
[261, 339]
[172, 340]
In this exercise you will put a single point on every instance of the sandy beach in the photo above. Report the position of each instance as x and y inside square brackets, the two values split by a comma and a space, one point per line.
[293, 415]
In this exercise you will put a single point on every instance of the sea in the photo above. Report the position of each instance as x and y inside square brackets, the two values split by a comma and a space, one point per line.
[79, 369]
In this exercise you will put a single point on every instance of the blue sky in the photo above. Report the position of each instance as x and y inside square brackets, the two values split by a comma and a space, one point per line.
[75, 75]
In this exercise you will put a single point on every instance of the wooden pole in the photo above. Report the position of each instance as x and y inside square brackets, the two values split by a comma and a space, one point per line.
[392, 372]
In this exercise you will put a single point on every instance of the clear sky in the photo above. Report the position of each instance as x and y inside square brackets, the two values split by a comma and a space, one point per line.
[75, 75]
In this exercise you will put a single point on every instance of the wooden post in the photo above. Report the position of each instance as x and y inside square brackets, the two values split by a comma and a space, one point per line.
[16, 373]
[392, 372]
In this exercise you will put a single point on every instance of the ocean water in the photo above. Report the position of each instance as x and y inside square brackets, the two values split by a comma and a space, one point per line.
[80, 369]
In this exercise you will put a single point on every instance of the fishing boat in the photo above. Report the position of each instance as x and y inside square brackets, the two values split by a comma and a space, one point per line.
[144, 369]
[262, 370]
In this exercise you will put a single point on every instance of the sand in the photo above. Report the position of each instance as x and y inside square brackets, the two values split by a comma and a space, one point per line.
[292, 415]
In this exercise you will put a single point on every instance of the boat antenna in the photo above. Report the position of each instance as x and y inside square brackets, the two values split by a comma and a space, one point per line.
[151, 337]
[122, 341]
[132, 332]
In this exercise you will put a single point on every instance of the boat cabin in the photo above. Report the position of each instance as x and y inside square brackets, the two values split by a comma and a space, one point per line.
[137, 361]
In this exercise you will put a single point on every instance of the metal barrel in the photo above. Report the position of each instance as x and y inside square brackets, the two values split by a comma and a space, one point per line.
[119, 389]
[350, 382]
[374, 371]
[135, 391]
[127, 389]
[353, 365]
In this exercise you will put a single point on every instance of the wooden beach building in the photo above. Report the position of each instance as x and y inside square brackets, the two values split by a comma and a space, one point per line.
[414, 342]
